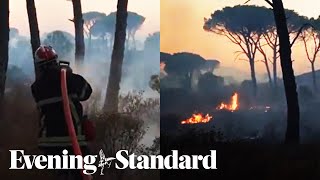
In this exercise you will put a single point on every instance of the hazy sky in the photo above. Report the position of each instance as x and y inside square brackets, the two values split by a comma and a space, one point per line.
[54, 14]
[182, 22]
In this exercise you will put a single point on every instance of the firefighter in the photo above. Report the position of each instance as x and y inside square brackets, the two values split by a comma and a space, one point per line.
[46, 91]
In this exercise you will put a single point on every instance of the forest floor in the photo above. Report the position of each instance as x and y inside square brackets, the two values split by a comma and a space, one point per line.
[247, 160]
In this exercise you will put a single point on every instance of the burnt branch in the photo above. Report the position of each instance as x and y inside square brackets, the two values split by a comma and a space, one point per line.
[239, 53]
[304, 39]
[299, 32]
[269, 2]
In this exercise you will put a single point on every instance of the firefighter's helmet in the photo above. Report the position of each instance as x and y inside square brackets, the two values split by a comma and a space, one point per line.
[45, 54]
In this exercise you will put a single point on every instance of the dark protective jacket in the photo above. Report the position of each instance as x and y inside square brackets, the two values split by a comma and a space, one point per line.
[47, 93]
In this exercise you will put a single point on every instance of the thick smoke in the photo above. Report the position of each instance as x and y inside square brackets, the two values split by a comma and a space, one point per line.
[138, 66]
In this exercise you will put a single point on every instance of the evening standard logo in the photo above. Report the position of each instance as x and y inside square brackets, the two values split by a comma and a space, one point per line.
[122, 160]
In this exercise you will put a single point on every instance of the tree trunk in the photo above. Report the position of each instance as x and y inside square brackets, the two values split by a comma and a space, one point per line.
[111, 43]
[275, 76]
[253, 77]
[112, 96]
[314, 78]
[34, 30]
[127, 43]
[89, 43]
[134, 41]
[267, 68]
[79, 37]
[194, 79]
[4, 45]
[293, 112]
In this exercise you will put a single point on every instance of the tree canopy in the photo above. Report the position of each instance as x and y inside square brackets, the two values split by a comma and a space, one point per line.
[89, 18]
[134, 20]
[295, 21]
[210, 65]
[103, 26]
[183, 63]
[164, 57]
[92, 15]
[106, 24]
[61, 41]
[246, 25]
[153, 41]
[240, 19]
[243, 26]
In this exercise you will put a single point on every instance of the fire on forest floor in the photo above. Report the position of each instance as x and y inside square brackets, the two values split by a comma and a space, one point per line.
[231, 106]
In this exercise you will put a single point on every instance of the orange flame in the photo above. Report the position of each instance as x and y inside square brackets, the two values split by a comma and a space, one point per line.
[234, 105]
[197, 118]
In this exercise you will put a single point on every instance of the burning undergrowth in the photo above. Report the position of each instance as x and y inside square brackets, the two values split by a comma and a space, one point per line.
[232, 106]
[197, 118]
[233, 111]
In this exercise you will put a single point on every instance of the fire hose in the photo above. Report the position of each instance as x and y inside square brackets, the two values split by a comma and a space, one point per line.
[68, 118]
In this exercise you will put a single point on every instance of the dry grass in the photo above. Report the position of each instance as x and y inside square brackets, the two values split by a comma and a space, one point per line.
[125, 130]
[19, 127]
